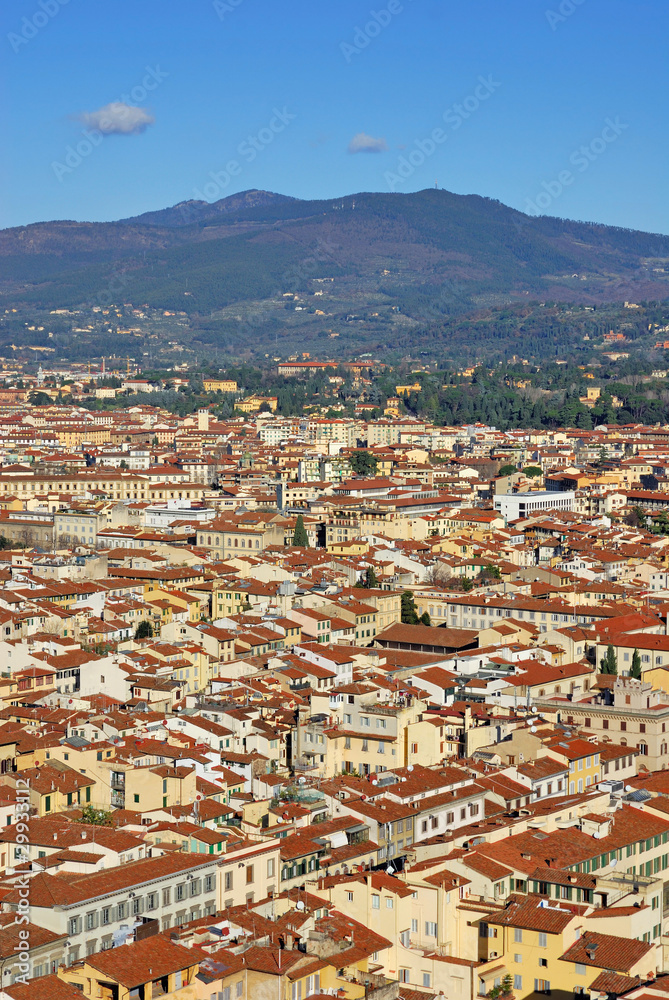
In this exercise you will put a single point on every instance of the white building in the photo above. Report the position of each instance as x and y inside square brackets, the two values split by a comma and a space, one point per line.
[513, 506]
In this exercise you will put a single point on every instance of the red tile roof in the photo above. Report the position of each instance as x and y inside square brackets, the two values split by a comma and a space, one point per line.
[605, 951]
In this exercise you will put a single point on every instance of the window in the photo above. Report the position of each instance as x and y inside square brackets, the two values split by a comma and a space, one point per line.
[542, 986]
[427, 978]
[517, 935]
[543, 940]
[430, 929]
[389, 903]
[249, 874]
[543, 962]
[376, 902]
[228, 881]
[579, 969]
[517, 982]
[414, 927]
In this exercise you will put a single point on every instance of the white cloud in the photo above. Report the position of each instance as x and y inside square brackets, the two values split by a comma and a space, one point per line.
[118, 118]
[363, 143]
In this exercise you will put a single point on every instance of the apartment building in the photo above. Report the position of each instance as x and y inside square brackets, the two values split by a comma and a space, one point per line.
[100, 910]
[629, 713]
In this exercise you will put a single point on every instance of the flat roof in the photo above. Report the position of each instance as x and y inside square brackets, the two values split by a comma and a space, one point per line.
[536, 495]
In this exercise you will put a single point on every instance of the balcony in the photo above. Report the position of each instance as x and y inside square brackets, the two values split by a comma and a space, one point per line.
[303, 764]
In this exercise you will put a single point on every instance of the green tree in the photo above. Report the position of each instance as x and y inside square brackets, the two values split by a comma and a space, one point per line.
[609, 663]
[504, 989]
[363, 463]
[371, 580]
[300, 538]
[144, 631]
[533, 471]
[507, 470]
[409, 612]
[425, 619]
[97, 817]
[661, 524]
[635, 669]
[40, 399]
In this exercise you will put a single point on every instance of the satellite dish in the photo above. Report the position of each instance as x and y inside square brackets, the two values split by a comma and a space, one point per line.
[533, 729]
[404, 779]
[410, 767]
[374, 781]
[299, 905]
[614, 862]
[301, 781]
[628, 788]
[390, 870]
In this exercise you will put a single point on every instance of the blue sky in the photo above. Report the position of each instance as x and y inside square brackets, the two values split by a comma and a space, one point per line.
[207, 85]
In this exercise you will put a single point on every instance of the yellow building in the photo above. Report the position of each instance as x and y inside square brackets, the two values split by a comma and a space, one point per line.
[56, 787]
[353, 547]
[220, 385]
[149, 968]
[583, 760]
[151, 787]
[526, 941]
[253, 403]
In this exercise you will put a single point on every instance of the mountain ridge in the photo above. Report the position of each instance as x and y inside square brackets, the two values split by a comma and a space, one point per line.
[423, 247]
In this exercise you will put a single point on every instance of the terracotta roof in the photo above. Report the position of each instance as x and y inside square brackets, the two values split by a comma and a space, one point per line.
[69, 889]
[534, 914]
[143, 961]
[613, 983]
[43, 988]
[605, 951]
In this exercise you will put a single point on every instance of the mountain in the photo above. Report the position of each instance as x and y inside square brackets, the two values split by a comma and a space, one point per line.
[190, 212]
[423, 256]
